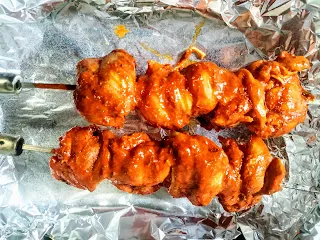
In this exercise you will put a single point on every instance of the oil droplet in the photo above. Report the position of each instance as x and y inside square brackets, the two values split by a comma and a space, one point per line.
[120, 31]
[197, 31]
[156, 53]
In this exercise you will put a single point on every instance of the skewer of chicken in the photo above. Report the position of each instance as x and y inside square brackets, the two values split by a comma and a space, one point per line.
[267, 95]
[188, 166]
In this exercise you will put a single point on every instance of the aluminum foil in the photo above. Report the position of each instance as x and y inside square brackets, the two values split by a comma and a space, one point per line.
[43, 40]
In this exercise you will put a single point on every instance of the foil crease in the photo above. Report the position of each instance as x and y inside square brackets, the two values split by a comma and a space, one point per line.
[43, 40]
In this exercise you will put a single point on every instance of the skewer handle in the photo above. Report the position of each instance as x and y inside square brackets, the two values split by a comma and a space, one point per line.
[10, 83]
[11, 144]
[14, 145]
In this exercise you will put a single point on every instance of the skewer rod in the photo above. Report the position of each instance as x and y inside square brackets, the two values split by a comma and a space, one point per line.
[36, 148]
[68, 87]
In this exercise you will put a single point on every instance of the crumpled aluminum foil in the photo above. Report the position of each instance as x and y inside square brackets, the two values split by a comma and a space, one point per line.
[43, 40]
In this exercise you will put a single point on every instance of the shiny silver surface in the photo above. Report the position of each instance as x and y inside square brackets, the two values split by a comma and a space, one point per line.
[43, 41]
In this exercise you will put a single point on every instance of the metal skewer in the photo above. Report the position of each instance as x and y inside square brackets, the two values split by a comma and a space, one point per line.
[11, 83]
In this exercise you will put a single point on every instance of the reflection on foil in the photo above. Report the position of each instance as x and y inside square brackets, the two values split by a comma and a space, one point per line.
[45, 39]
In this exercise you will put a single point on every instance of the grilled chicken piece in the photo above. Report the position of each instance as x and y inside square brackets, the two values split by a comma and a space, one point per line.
[252, 172]
[279, 101]
[199, 169]
[106, 88]
[217, 92]
[164, 100]
[139, 164]
[80, 160]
